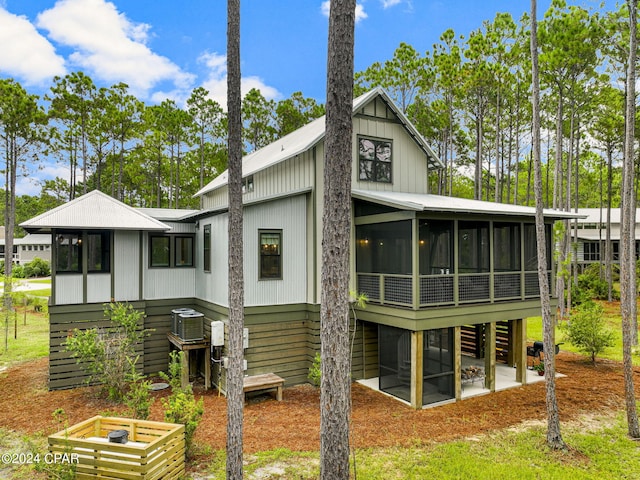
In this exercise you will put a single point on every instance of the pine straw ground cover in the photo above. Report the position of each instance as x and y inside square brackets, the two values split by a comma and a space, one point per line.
[378, 420]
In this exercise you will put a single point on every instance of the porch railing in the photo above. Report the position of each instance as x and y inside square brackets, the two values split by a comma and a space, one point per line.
[434, 290]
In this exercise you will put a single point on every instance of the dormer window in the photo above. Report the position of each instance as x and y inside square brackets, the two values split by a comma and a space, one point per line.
[374, 159]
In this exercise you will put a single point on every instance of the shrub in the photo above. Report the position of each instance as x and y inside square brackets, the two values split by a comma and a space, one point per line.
[586, 330]
[315, 371]
[138, 398]
[108, 354]
[181, 406]
[37, 268]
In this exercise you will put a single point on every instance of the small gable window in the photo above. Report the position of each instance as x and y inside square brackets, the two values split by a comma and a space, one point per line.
[374, 159]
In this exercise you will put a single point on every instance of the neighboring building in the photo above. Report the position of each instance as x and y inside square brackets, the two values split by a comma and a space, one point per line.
[450, 281]
[591, 234]
[29, 247]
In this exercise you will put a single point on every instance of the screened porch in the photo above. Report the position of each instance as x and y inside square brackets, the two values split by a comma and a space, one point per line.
[426, 262]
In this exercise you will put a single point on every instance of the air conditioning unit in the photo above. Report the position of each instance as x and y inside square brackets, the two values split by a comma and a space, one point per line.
[174, 318]
[190, 326]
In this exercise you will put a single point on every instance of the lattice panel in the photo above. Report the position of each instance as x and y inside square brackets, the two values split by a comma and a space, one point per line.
[473, 287]
[436, 290]
[398, 290]
[506, 285]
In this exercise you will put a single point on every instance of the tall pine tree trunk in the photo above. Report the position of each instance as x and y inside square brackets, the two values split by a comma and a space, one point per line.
[628, 292]
[554, 438]
[335, 387]
[235, 395]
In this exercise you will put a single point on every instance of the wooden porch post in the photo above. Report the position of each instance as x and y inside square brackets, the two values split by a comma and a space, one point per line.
[457, 361]
[417, 352]
[490, 356]
[520, 350]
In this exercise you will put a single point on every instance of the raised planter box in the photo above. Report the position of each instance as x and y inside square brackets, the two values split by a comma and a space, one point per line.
[153, 450]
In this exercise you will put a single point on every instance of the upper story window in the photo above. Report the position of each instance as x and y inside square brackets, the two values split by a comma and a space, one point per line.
[69, 251]
[374, 159]
[170, 251]
[270, 254]
[247, 184]
[206, 248]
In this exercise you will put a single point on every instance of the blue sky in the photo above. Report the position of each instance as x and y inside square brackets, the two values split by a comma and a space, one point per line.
[166, 48]
[163, 49]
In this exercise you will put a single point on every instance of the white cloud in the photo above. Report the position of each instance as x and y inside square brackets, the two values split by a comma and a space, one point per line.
[216, 81]
[109, 46]
[389, 3]
[25, 54]
[360, 13]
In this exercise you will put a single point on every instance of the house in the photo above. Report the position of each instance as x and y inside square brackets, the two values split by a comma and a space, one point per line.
[590, 232]
[28, 248]
[450, 281]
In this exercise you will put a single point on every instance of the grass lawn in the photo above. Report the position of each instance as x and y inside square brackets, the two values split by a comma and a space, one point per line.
[32, 340]
[599, 448]
[613, 320]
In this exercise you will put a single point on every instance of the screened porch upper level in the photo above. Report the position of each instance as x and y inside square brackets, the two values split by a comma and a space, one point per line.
[421, 260]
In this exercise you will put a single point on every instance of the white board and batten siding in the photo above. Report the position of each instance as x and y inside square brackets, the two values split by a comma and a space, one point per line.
[287, 214]
[212, 286]
[69, 289]
[127, 266]
[98, 287]
[290, 176]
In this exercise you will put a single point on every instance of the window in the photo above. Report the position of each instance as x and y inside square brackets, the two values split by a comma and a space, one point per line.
[69, 251]
[592, 251]
[169, 251]
[206, 248]
[270, 254]
[374, 159]
[184, 252]
[247, 184]
[160, 251]
[98, 252]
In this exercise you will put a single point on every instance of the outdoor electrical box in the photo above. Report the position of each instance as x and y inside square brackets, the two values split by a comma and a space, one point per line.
[217, 333]
[245, 338]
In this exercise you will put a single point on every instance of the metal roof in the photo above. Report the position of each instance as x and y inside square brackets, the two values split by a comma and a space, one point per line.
[308, 136]
[593, 215]
[437, 203]
[168, 214]
[30, 239]
[94, 211]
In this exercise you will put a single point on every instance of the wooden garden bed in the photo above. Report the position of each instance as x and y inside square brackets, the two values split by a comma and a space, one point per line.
[153, 450]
